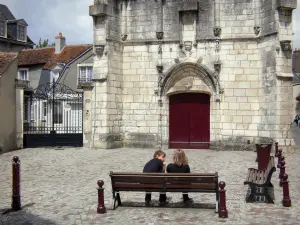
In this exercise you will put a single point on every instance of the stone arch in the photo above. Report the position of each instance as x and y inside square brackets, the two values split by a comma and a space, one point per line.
[189, 77]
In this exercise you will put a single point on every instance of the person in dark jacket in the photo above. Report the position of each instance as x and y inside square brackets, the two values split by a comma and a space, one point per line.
[156, 165]
[180, 165]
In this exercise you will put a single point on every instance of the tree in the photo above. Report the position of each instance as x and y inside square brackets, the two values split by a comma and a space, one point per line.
[44, 44]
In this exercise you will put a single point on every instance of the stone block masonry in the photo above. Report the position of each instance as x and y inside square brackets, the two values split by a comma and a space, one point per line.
[237, 53]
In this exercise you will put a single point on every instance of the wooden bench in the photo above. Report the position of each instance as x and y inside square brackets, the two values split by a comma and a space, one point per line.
[259, 182]
[163, 182]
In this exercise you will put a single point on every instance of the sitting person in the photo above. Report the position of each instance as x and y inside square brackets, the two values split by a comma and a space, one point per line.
[156, 165]
[180, 165]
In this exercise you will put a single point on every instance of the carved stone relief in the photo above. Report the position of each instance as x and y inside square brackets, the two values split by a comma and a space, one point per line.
[99, 49]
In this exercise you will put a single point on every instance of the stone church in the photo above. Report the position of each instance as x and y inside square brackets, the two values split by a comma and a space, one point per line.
[191, 74]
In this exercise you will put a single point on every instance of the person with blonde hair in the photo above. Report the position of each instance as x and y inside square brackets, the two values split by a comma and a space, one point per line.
[180, 165]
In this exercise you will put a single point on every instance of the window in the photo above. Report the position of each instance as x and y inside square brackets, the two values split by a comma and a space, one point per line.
[58, 112]
[45, 108]
[23, 74]
[21, 33]
[85, 74]
[2, 28]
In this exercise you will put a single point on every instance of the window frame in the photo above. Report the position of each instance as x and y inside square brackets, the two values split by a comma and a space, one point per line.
[19, 73]
[86, 79]
[18, 32]
[4, 28]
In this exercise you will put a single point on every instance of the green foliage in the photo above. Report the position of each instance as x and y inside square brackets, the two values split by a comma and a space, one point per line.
[44, 44]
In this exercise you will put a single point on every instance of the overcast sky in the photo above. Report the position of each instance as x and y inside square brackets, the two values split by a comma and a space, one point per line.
[71, 17]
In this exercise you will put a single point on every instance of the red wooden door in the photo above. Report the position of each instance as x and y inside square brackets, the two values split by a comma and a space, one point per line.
[189, 118]
[179, 126]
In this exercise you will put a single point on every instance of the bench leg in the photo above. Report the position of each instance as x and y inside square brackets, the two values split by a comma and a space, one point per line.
[119, 199]
[267, 196]
[250, 198]
[217, 201]
[114, 201]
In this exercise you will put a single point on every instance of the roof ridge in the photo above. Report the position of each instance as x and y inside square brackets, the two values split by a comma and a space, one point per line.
[79, 45]
[38, 49]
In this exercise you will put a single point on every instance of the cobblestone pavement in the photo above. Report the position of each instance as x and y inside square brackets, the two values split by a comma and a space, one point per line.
[59, 187]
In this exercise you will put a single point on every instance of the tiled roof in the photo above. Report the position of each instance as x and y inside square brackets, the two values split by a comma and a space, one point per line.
[48, 56]
[6, 12]
[68, 53]
[5, 59]
[35, 56]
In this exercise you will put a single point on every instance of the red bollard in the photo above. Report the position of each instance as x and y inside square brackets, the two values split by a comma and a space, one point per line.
[222, 201]
[16, 197]
[276, 149]
[282, 171]
[101, 208]
[286, 202]
[279, 158]
[282, 163]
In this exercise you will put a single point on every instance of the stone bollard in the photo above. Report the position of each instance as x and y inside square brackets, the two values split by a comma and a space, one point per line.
[222, 201]
[276, 149]
[286, 201]
[282, 171]
[279, 158]
[101, 208]
[16, 197]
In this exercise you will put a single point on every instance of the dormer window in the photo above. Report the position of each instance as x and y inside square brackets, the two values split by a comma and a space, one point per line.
[2, 28]
[23, 74]
[21, 31]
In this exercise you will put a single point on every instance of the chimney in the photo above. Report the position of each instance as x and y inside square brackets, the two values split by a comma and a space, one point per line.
[60, 42]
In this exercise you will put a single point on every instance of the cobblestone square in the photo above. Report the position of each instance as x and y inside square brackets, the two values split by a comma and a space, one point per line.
[60, 187]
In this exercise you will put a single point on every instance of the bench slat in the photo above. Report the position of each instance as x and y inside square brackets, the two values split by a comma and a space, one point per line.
[115, 174]
[260, 176]
[166, 187]
[147, 180]
[191, 186]
[142, 180]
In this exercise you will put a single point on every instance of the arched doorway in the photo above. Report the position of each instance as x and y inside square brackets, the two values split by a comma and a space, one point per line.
[189, 121]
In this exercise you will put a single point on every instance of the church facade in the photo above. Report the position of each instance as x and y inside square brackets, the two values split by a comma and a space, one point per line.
[191, 74]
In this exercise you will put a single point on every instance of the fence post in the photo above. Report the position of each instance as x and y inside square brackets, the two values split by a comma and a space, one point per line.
[101, 208]
[286, 201]
[276, 149]
[222, 210]
[16, 197]
[282, 171]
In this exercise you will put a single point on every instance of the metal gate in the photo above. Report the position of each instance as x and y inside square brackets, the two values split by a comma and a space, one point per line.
[53, 116]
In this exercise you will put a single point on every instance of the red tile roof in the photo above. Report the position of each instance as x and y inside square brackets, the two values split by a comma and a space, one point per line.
[35, 56]
[68, 53]
[5, 59]
[48, 56]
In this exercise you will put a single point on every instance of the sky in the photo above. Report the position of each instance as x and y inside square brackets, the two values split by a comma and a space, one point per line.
[71, 17]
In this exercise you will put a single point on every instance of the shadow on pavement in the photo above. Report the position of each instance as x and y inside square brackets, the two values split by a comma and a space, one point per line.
[22, 217]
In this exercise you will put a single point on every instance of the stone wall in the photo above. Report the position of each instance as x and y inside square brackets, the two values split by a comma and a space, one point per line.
[157, 48]
[8, 135]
